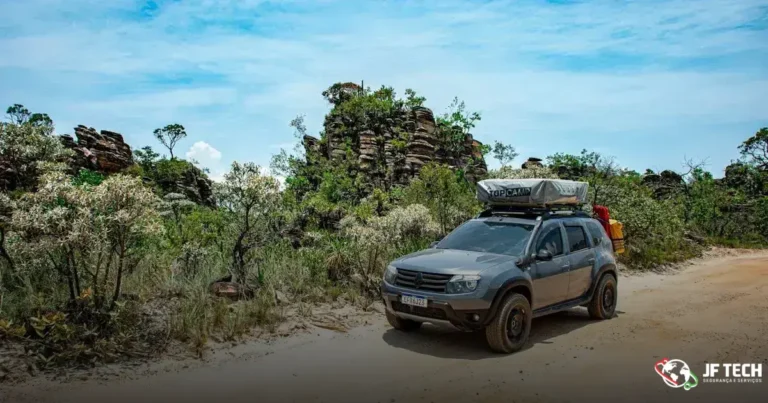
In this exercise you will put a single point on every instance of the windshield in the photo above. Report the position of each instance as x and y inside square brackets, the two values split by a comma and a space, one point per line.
[504, 238]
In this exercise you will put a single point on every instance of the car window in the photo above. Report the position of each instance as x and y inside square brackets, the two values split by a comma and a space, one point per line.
[551, 240]
[577, 239]
[503, 238]
[596, 231]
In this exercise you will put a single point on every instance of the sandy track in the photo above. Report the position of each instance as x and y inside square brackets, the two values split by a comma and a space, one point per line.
[713, 311]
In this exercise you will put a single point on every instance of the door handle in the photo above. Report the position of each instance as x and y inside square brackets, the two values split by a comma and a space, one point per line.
[566, 266]
[591, 261]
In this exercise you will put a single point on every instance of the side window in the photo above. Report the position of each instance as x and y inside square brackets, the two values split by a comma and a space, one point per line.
[552, 240]
[596, 232]
[577, 239]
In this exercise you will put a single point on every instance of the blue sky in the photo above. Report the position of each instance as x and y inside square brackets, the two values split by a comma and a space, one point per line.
[647, 82]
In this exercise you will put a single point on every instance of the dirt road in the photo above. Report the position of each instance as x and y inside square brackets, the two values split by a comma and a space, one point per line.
[713, 311]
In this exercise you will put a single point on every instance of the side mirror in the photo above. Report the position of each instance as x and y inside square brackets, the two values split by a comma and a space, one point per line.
[433, 244]
[544, 255]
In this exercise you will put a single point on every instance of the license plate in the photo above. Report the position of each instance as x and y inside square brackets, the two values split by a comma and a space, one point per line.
[413, 300]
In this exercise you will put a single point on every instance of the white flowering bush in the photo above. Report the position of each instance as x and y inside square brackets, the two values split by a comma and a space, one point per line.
[26, 151]
[375, 241]
[90, 235]
[508, 172]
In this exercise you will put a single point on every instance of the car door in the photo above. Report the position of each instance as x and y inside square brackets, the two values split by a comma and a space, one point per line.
[581, 257]
[550, 277]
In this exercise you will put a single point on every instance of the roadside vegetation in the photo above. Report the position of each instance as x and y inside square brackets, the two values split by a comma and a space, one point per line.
[96, 268]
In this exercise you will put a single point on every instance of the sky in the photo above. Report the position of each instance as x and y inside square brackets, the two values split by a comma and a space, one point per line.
[650, 83]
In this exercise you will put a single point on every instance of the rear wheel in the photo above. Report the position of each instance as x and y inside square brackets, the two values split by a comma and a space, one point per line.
[509, 330]
[603, 304]
[401, 324]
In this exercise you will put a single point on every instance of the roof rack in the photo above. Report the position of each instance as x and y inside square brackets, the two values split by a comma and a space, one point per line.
[545, 212]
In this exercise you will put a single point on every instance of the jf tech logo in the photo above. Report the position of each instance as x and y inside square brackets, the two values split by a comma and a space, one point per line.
[676, 374]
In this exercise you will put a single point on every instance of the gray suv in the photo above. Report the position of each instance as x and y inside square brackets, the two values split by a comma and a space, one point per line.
[500, 270]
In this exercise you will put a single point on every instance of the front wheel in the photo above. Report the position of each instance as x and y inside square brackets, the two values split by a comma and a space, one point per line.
[603, 304]
[509, 330]
[401, 324]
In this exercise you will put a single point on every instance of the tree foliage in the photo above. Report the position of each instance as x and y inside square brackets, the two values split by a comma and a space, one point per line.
[454, 125]
[169, 135]
[445, 193]
[88, 235]
[756, 148]
[504, 153]
[28, 149]
[253, 199]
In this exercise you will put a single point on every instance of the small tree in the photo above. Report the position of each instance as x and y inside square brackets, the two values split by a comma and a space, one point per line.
[505, 153]
[454, 126]
[253, 200]
[756, 148]
[146, 157]
[126, 211]
[449, 198]
[170, 135]
[413, 100]
[17, 114]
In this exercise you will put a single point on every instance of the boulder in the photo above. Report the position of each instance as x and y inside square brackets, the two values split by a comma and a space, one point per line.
[104, 151]
[532, 162]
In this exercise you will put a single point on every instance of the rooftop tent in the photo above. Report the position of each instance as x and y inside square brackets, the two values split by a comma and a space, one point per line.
[531, 192]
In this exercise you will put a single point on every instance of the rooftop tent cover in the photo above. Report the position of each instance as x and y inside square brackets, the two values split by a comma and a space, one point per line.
[531, 192]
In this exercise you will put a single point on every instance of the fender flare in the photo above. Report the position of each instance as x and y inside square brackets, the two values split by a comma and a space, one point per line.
[605, 269]
[503, 291]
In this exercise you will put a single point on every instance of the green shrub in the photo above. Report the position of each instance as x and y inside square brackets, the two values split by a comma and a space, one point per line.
[88, 177]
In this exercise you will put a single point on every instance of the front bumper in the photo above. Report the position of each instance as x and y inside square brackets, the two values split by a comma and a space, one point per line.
[463, 311]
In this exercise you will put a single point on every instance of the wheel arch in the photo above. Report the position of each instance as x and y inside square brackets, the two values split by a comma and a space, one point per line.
[518, 286]
[608, 268]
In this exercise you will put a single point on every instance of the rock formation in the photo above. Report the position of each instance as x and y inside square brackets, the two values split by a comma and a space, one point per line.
[104, 152]
[192, 183]
[532, 162]
[394, 152]
[664, 184]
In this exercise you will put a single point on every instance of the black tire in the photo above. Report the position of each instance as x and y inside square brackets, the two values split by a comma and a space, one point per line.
[603, 304]
[509, 330]
[401, 324]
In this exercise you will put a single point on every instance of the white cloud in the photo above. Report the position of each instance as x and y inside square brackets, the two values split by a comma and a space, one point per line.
[206, 156]
[204, 153]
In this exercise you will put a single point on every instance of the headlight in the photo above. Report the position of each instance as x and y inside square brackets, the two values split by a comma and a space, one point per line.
[462, 284]
[390, 275]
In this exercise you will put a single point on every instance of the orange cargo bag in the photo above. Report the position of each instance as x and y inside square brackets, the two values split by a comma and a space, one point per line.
[617, 236]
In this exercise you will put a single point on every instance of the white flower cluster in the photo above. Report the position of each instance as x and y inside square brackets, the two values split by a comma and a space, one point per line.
[61, 214]
[402, 222]
[507, 172]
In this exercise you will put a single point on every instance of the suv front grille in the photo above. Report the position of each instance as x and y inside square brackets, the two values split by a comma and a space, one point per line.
[433, 313]
[422, 281]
